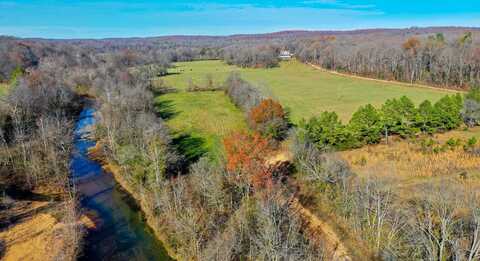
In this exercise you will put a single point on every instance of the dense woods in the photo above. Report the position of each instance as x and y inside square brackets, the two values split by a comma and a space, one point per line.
[36, 120]
[252, 56]
[447, 60]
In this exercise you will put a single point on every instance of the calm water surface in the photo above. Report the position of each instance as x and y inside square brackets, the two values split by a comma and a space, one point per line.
[123, 234]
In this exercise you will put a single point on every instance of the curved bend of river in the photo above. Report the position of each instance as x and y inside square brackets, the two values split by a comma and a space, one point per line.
[122, 234]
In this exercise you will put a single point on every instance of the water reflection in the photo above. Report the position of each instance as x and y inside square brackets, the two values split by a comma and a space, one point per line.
[122, 233]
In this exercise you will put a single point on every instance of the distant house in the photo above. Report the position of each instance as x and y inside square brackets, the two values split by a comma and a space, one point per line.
[285, 55]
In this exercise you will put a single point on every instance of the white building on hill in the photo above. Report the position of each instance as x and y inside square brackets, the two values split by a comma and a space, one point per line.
[285, 55]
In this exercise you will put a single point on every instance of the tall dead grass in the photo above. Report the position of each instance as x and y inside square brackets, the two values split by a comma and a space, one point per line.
[406, 159]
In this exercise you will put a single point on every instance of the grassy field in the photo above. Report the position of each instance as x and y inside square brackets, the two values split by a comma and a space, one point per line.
[200, 120]
[3, 89]
[302, 89]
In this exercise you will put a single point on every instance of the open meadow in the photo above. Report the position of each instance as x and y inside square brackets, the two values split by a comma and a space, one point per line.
[200, 120]
[3, 89]
[304, 90]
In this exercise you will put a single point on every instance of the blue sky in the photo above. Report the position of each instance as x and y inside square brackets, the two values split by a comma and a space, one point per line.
[100, 19]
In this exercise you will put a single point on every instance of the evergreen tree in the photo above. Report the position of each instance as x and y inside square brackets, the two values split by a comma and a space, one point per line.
[400, 117]
[366, 125]
[449, 111]
[328, 131]
[429, 120]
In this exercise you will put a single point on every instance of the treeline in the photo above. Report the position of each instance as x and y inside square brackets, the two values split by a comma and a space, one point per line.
[451, 60]
[263, 56]
[36, 122]
[264, 114]
[395, 117]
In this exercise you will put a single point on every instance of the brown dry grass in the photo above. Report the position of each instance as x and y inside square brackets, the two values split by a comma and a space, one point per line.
[33, 238]
[406, 159]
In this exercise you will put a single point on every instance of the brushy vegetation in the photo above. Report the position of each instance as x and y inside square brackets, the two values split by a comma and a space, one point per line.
[437, 221]
[264, 115]
[471, 107]
[423, 157]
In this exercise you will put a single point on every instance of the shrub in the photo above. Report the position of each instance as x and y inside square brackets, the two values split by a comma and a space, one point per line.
[452, 143]
[319, 166]
[209, 85]
[470, 144]
[269, 119]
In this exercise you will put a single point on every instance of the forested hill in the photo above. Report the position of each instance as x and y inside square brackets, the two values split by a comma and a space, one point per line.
[409, 55]
[275, 35]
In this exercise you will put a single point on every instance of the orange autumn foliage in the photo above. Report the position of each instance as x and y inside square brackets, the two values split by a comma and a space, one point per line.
[266, 111]
[246, 155]
[411, 45]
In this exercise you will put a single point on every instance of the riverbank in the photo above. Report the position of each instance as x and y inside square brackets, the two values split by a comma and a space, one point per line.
[38, 227]
[119, 231]
[155, 224]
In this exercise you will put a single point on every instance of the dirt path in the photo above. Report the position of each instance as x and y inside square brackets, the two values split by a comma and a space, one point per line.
[317, 228]
[383, 81]
[321, 230]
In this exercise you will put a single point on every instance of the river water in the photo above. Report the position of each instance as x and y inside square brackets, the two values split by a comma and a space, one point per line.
[122, 233]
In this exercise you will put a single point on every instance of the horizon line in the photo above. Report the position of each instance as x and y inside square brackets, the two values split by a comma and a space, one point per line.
[246, 34]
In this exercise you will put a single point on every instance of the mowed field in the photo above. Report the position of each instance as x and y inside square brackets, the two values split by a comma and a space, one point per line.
[304, 90]
[200, 121]
[3, 89]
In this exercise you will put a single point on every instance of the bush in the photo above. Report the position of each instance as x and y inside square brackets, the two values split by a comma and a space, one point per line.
[209, 85]
[319, 166]
[470, 144]
[269, 119]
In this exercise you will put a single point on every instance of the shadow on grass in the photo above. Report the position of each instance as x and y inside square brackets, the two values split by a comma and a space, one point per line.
[165, 109]
[171, 73]
[192, 149]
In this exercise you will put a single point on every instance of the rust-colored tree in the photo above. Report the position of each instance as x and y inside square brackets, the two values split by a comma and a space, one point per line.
[269, 119]
[246, 158]
[411, 45]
